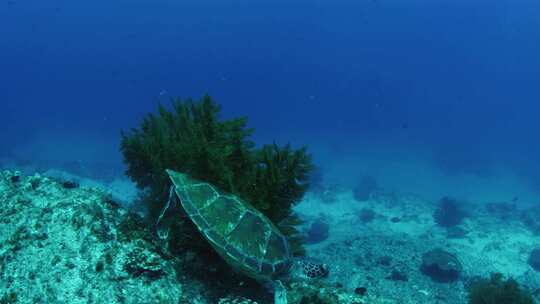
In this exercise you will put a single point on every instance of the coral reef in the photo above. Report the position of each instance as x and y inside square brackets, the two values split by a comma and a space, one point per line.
[235, 300]
[317, 232]
[441, 266]
[316, 293]
[189, 139]
[449, 213]
[534, 259]
[498, 291]
[366, 215]
[76, 245]
[66, 244]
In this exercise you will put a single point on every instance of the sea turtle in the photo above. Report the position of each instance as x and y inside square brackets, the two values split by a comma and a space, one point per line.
[245, 238]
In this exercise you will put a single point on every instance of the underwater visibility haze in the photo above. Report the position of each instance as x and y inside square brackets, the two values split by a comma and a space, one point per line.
[376, 151]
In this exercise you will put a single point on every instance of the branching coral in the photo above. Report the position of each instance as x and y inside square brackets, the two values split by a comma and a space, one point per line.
[498, 291]
[191, 138]
[449, 213]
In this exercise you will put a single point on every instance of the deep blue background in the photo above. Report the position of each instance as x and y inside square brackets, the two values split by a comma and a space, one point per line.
[456, 80]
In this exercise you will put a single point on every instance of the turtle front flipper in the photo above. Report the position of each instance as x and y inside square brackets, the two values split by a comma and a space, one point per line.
[280, 293]
[164, 220]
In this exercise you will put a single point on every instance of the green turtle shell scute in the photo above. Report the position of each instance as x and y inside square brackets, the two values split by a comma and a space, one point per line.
[242, 235]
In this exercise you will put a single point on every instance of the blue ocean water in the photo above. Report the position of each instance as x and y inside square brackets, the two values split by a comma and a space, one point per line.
[432, 97]
[453, 83]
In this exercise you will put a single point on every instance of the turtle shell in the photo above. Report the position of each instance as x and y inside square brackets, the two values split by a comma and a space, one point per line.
[243, 236]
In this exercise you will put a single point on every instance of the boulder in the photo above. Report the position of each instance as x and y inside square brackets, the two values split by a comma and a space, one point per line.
[534, 259]
[441, 266]
[317, 232]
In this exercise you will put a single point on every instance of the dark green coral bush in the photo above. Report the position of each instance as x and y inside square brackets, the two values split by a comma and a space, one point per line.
[498, 291]
[191, 138]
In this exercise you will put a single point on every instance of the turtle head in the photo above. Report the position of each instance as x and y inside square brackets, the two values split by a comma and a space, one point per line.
[309, 268]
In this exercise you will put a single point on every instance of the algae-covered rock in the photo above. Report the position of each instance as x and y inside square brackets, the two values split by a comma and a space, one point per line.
[318, 292]
[236, 300]
[441, 266]
[71, 245]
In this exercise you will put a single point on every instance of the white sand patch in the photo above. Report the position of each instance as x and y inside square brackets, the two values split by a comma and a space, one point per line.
[340, 209]
[407, 172]
[122, 190]
[489, 244]
[504, 248]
